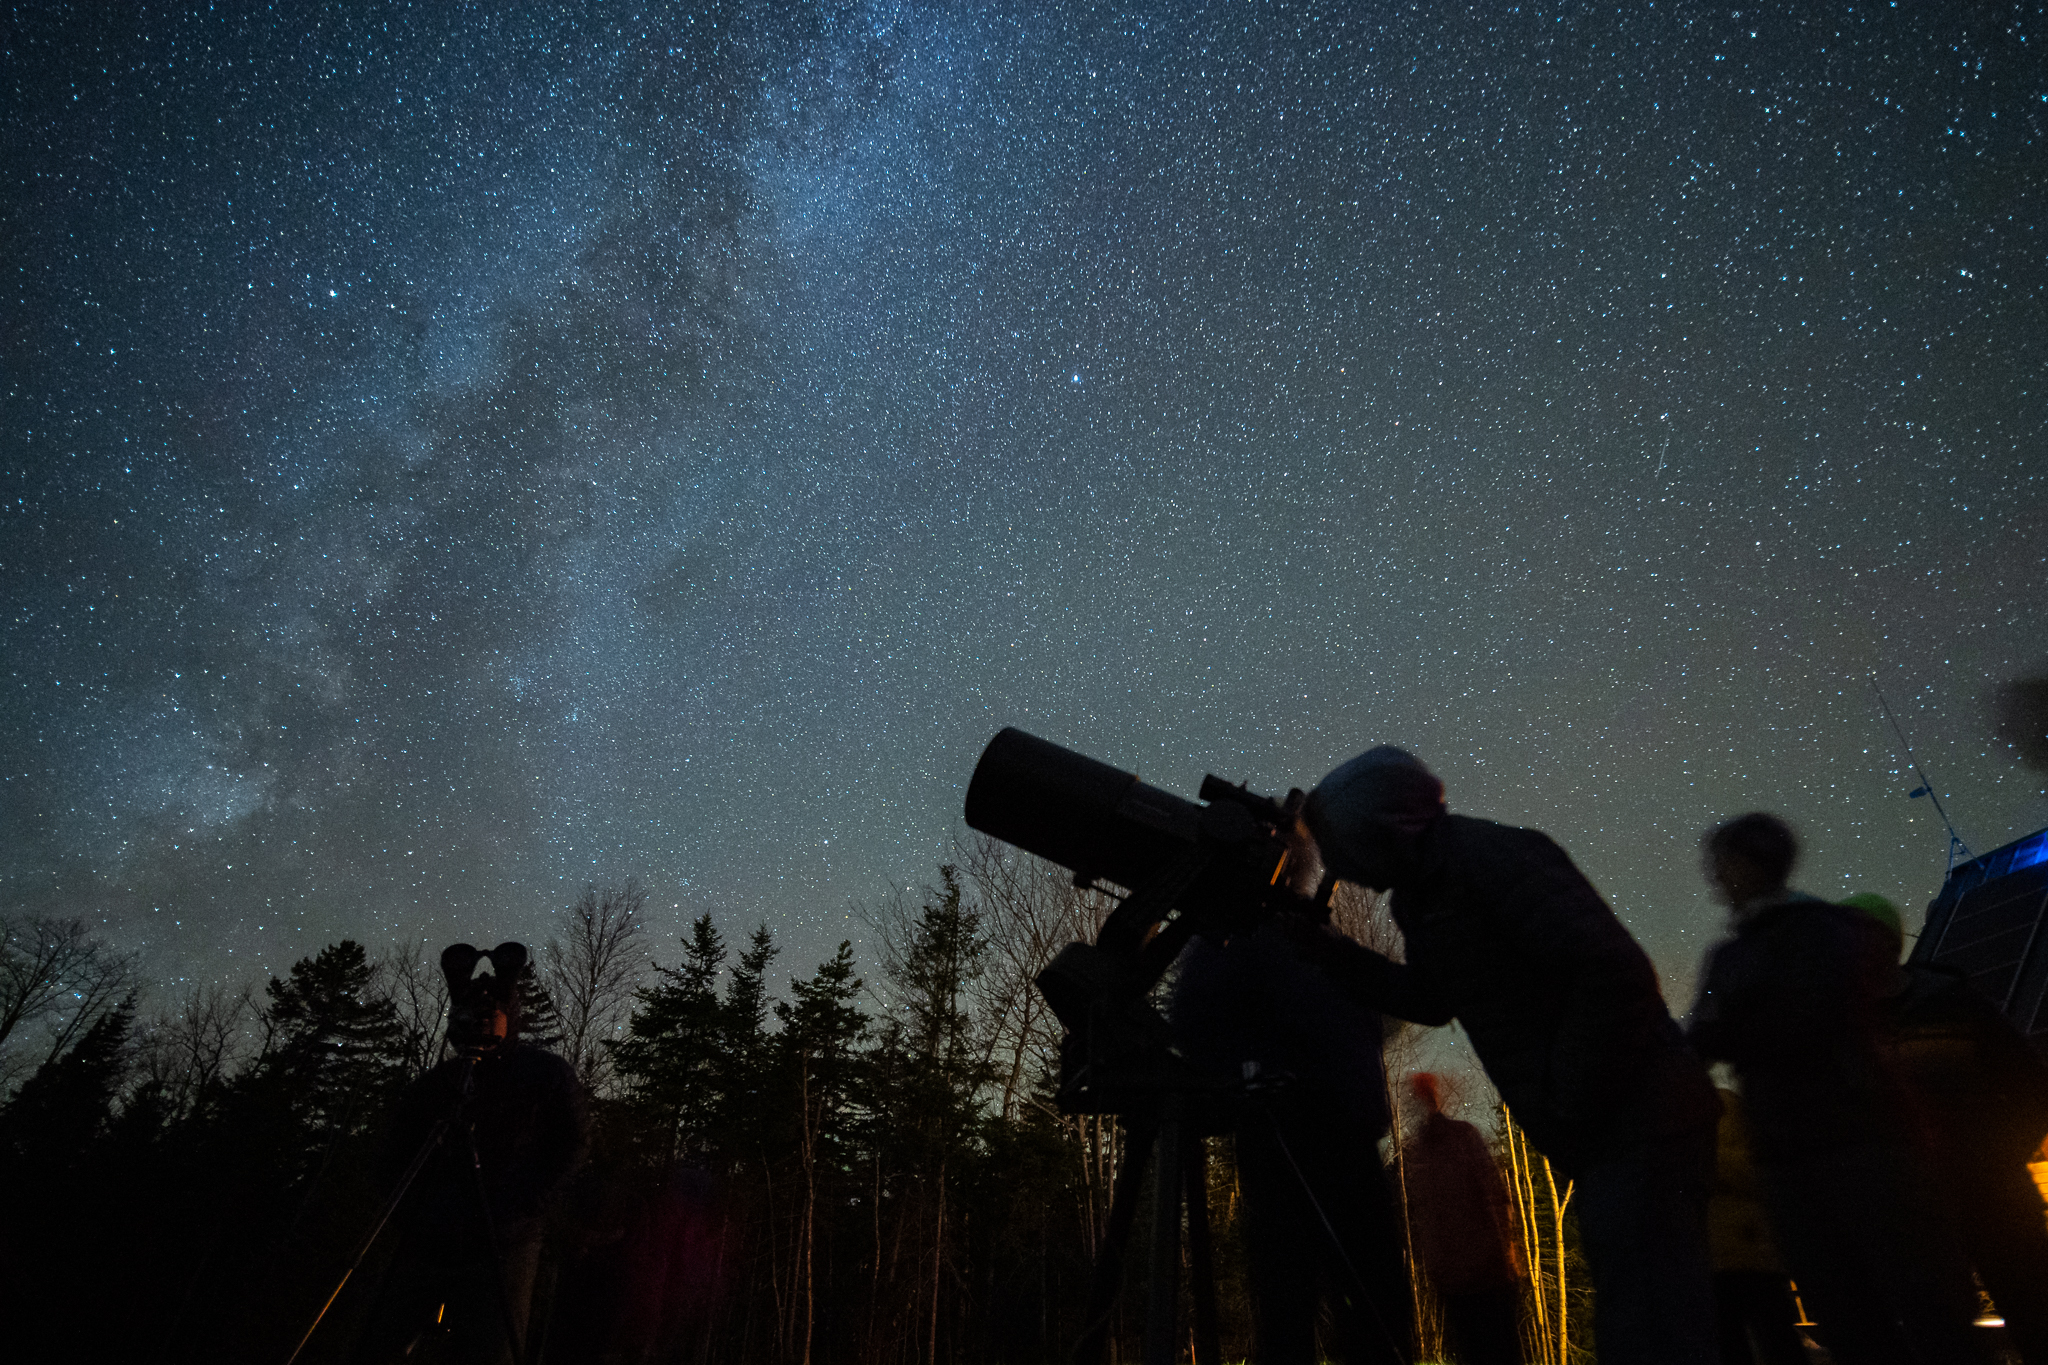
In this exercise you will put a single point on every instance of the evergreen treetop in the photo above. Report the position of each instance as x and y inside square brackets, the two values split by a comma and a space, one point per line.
[69, 1100]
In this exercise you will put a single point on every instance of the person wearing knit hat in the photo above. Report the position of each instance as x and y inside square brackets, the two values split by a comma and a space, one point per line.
[1505, 935]
[1884, 912]
[1370, 811]
[1382, 784]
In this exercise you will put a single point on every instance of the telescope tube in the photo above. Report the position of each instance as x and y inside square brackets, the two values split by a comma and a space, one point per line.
[1097, 821]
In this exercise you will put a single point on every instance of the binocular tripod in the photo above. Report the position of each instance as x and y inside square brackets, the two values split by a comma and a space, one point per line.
[451, 1123]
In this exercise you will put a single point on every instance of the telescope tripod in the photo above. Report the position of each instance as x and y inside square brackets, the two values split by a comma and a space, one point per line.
[456, 1119]
[1169, 1141]
[1181, 1180]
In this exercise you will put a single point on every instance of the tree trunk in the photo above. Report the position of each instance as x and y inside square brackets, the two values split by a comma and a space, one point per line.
[875, 1279]
[938, 1263]
[906, 1325]
[1522, 1181]
[777, 1298]
[810, 1139]
[1422, 1337]
[1557, 1208]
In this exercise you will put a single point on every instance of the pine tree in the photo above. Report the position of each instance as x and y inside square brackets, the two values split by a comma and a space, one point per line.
[336, 1050]
[69, 1100]
[540, 1022]
[746, 995]
[668, 1061]
[822, 1032]
[744, 1060]
[931, 1078]
[933, 978]
[817, 1057]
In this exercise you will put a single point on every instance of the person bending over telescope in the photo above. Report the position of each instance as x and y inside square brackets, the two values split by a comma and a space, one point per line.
[470, 1225]
[1562, 1006]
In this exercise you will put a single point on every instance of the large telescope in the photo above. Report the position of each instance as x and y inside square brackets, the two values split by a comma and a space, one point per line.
[1099, 822]
[1186, 868]
[1213, 868]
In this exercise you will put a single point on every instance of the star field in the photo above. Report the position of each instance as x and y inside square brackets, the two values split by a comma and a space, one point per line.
[453, 455]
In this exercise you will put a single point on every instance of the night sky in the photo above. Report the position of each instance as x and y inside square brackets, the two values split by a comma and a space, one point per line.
[453, 453]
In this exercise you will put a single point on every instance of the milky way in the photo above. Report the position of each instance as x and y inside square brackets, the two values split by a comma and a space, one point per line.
[454, 455]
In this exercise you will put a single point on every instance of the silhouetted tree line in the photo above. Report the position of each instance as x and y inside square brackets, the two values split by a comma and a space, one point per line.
[795, 1168]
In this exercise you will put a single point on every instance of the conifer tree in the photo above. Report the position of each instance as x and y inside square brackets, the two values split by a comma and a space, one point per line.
[336, 1049]
[817, 1059]
[743, 1061]
[930, 1080]
[668, 1061]
[746, 995]
[540, 1021]
[822, 1032]
[936, 1029]
[69, 1100]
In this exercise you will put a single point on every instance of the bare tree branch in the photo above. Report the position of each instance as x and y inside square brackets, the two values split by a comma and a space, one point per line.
[189, 1051]
[592, 975]
[410, 977]
[95, 986]
[1030, 910]
[56, 972]
[1365, 915]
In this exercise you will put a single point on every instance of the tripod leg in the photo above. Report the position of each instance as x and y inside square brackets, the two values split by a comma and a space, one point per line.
[1091, 1348]
[412, 1170]
[1395, 1337]
[1164, 1298]
[1201, 1258]
[490, 1227]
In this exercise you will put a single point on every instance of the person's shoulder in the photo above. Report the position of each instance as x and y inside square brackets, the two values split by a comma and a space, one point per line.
[1728, 949]
[534, 1060]
[1798, 915]
[1459, 1130]
[1505, 857]
[1462, 837]
[442, 1075]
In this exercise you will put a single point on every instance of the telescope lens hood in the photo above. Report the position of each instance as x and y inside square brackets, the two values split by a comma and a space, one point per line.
[1097, 821]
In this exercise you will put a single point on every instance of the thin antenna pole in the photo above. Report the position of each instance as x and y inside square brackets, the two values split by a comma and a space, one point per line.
[1955, 840]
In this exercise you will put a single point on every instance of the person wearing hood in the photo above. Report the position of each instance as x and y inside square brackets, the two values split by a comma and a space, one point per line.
[1461, 1231]
[1795, 1001]
[1562, 1007]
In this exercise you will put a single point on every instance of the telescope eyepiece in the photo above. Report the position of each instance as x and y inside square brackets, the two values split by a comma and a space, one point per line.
[1264, 809]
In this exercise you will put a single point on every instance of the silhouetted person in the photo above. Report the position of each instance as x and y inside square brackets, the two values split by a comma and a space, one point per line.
[470, 1229]
[1795, 1001]
[1562, 1006]
[1308, 1151]
[1752, 1298]
[1461, 1230]
[1982, 1092]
